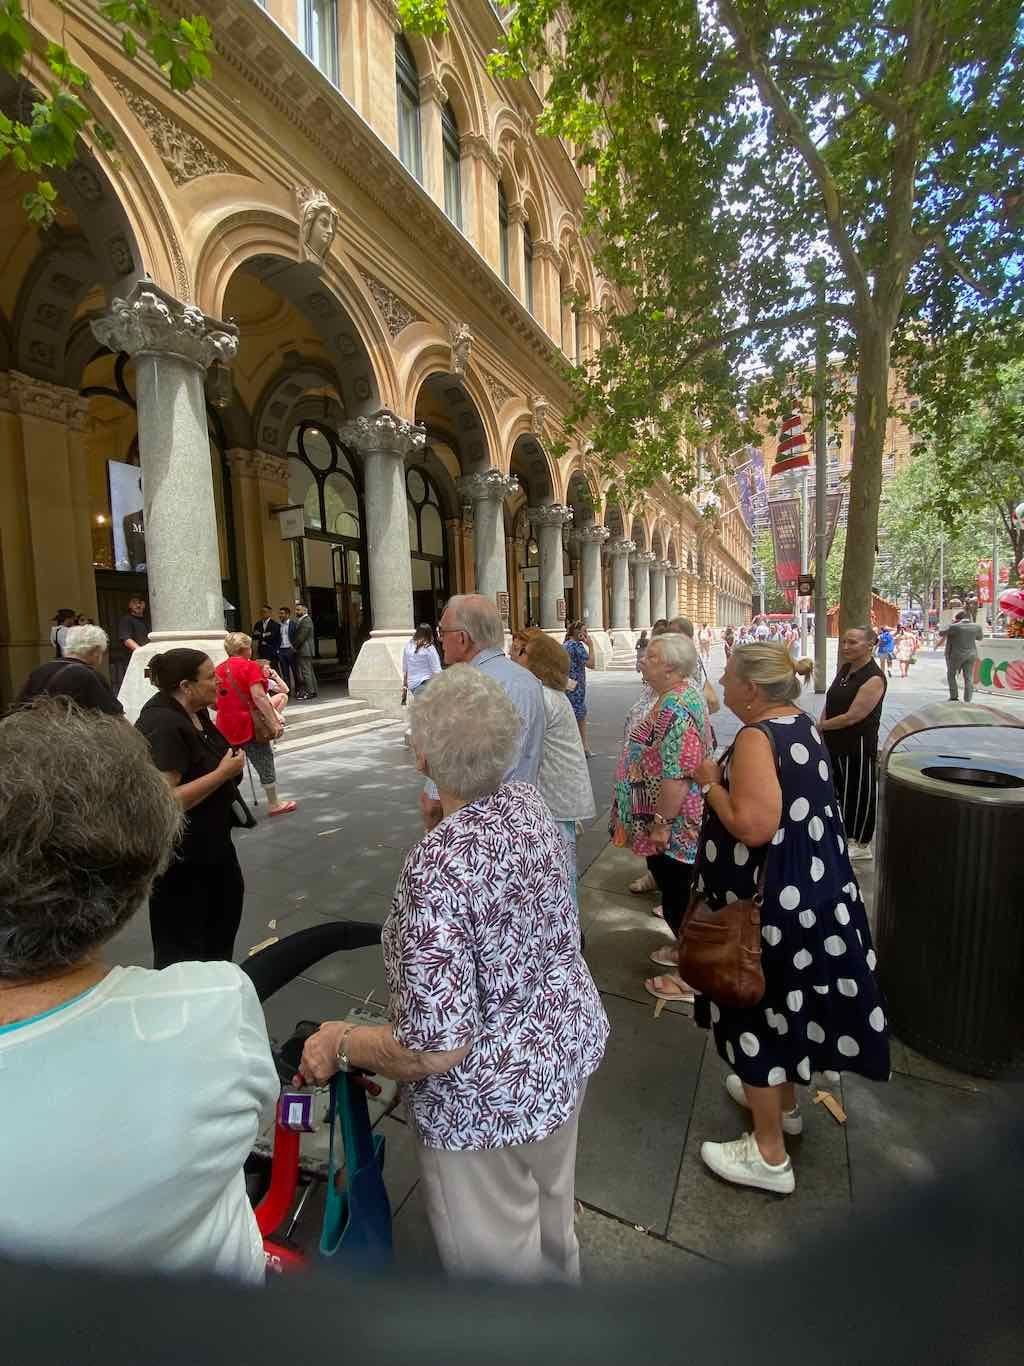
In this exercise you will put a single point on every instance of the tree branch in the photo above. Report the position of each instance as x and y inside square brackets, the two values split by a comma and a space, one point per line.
[947, 254]
[804, 144]
[893, 110]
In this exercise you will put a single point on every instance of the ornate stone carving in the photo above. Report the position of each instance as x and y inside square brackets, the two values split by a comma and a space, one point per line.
[478, 146]
[594, 533]
[545, 250]
[553, 514]
[462, 344]
[258, 465]
[539, 408]
[319, 224]
[432, 88]
[152, 321]
[36, 398]
[185, 156]
[517, 213]
[487, 484]
[500, 393]
[642, 557]
[621, 549]
[384, 433]
[396, 314]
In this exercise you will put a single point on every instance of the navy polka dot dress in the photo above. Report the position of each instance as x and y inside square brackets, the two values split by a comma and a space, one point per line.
[822, 1010]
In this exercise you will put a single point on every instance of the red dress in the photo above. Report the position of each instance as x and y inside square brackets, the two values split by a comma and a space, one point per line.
[235, 678]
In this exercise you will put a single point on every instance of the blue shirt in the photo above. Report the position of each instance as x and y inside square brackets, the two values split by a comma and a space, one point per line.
[527, 695]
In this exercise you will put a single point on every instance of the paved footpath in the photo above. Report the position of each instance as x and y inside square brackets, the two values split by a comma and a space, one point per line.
[649, 1208]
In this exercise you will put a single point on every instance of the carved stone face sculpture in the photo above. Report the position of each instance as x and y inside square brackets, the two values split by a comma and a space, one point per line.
[319, 224]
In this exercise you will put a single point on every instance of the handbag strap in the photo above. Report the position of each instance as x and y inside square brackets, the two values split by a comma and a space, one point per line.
[245, 701]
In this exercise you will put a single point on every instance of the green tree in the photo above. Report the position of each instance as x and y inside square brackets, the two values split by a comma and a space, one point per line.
[61, 115]
[731, 143]
[764, 558]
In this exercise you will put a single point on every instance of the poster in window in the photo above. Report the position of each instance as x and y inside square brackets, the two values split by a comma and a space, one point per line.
[126, 517]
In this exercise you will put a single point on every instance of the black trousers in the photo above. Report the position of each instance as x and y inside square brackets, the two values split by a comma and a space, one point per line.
[195, 910]
[674, 880]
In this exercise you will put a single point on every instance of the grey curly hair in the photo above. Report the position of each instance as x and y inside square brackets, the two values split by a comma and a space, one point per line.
[467, 729]
[88, 823]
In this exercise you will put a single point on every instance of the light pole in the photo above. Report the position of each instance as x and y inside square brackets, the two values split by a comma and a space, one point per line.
[820, 482]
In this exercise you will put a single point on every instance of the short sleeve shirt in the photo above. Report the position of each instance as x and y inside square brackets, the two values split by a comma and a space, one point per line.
[482, 947]
[235, 679]
[177, 747]
[668, 742]
[133, 628]
[71, 678]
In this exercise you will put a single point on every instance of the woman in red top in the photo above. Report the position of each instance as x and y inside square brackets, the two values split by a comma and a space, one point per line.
[242, 691]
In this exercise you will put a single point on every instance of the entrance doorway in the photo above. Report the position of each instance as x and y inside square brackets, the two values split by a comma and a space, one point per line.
[349, 605]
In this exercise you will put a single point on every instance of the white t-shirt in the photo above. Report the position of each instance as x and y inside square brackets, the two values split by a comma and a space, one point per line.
[127, 1116]
[419, 665]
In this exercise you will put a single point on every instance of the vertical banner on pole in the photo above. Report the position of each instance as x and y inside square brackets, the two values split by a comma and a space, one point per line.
[784, 517]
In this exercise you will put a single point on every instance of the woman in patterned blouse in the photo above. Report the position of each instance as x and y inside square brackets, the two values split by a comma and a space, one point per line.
[496, 1023]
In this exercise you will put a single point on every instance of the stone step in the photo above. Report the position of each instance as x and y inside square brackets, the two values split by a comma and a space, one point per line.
[316, 720]
[336, 734]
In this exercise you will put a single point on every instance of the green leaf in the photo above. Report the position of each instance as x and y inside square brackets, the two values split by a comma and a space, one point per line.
[130, 43]
[180, 76]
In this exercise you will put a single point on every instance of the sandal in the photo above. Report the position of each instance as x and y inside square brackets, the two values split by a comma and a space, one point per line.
[667, 957]
[284, 809]
[669, 987]
[643, 884]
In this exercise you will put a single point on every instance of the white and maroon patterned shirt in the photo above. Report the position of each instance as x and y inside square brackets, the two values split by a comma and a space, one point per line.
[482, 946]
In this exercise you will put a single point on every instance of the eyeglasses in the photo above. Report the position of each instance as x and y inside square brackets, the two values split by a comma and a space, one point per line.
[447, 630]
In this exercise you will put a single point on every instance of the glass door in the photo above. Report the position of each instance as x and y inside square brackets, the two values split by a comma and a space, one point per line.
[348, 588]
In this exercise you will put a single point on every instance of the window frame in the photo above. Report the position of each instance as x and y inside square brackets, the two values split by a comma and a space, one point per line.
[452, 158]
[528, 266]
[503, 228]
[313, 9]
[407, 101]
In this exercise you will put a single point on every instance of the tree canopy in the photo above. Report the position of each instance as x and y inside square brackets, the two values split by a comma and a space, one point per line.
[731, 144]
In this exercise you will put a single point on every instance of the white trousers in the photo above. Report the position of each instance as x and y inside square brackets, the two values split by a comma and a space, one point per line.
[506, 1212]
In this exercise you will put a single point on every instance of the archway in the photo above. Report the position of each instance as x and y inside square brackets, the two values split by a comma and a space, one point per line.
[531, 467]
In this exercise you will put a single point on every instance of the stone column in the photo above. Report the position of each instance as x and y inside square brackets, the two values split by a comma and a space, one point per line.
[671, 590]
[547, 284]
[591, 539]
[172, 345]
[623, 639]
[384, 441]
[548, 522]
[641, 562]
[516, 253]
[487, 492]
[433, 98]
[657, 590]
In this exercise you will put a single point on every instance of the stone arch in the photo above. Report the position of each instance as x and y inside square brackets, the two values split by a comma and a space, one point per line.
[581, 496]
[531, 464]
[286, 400]
[461, 400]
[615, 519]
[657, 544]
[638, 533]
[48, 300]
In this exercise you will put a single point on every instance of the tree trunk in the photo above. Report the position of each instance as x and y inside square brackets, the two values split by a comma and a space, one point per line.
[870, 412]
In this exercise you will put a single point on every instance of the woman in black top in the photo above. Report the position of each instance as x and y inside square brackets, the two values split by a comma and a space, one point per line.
[196, 907]
[849, 726]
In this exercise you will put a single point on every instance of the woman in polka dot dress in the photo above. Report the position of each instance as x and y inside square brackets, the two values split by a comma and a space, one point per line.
[771, 805]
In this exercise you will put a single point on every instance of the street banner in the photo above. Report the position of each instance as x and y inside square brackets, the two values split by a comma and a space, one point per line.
[833, 504]
[753, 487]
[793, 452]
[984, 581]
[784, 515]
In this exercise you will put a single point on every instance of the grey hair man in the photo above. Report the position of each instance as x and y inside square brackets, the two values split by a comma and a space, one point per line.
[77, 675]
[471, 633]
[961, 637]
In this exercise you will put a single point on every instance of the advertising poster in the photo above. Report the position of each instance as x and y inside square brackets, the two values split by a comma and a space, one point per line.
[126, 518]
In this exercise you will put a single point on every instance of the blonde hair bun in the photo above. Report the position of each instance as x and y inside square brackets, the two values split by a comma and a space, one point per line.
[803, 667]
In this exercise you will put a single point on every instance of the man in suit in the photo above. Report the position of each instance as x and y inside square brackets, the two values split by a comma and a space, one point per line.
[287, 654]
[266, 636]
[302, 644]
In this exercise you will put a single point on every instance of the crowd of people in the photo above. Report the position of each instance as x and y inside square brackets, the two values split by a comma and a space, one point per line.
[495, 1023]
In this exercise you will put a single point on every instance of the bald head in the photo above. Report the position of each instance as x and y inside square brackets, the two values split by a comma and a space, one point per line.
[470, 624]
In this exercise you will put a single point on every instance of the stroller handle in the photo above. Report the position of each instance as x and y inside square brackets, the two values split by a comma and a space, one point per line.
[278, 964]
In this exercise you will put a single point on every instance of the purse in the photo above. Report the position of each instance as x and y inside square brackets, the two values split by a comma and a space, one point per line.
[241, 816]
[261, 731]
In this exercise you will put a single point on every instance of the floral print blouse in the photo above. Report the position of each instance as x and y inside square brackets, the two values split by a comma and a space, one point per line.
[665, 742]
[482, 947]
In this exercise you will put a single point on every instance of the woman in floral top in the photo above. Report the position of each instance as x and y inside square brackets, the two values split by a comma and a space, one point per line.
[658, 804]
[496, 1023]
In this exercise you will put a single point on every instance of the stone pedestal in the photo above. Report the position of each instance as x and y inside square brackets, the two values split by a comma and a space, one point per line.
[548, 522]
[383, 441]
[641, 562]
[487, 492]
[172, 345]
[622, 636]
[591, 539]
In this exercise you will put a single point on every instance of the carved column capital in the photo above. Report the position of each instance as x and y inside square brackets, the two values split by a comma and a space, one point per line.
[487, 484]
[621, 549]
[383, 433]
[153, 322]
[645, 557]
[554, 514]
[38, 398]
[432, 88]
[593, 534]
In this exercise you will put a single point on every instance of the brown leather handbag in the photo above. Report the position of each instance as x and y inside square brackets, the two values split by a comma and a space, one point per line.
[720, 951]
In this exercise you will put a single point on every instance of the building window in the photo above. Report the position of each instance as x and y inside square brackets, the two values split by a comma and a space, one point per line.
[452, 166]
[577, 323]
[503, 230]
[407, 84]
[528, 265]
[318, 24]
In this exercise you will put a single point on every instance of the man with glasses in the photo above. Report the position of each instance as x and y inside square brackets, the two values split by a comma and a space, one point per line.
[471, 633]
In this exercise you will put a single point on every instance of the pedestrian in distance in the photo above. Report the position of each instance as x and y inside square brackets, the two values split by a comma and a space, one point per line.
[886, 650]
[266, 637]
[132, 630]
[705, 636]
[420, 661]
[641, 646]
[773, 829]
[62, 622]
[905, 647]
[580, 649]
[286, 655]
[195, 907]
[849, 723]
[247, 718]
[303, 646]
[961, 638]
[76, 675]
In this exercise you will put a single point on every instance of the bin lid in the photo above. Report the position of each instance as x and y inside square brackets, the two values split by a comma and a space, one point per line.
[944, 716]
[960, 777]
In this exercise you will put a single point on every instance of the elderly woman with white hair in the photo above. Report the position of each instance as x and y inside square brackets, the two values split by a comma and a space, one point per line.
[76, 675]
[495, 1022]
[658, 806]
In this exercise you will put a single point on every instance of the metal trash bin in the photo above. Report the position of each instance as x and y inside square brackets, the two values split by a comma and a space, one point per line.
[950, 895]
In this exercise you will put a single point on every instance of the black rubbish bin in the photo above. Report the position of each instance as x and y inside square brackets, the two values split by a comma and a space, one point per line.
[950, 897]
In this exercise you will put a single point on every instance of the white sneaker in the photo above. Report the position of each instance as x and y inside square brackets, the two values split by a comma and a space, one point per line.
[861, 852]
[741, 1163]
[792, 1120]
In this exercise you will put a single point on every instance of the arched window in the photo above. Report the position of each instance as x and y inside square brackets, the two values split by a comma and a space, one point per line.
[452, 166]
[318, 33]
[407, 84]
[321, 478]
[528, 264]
[503, 230]
[426, 544]
[577, 323]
